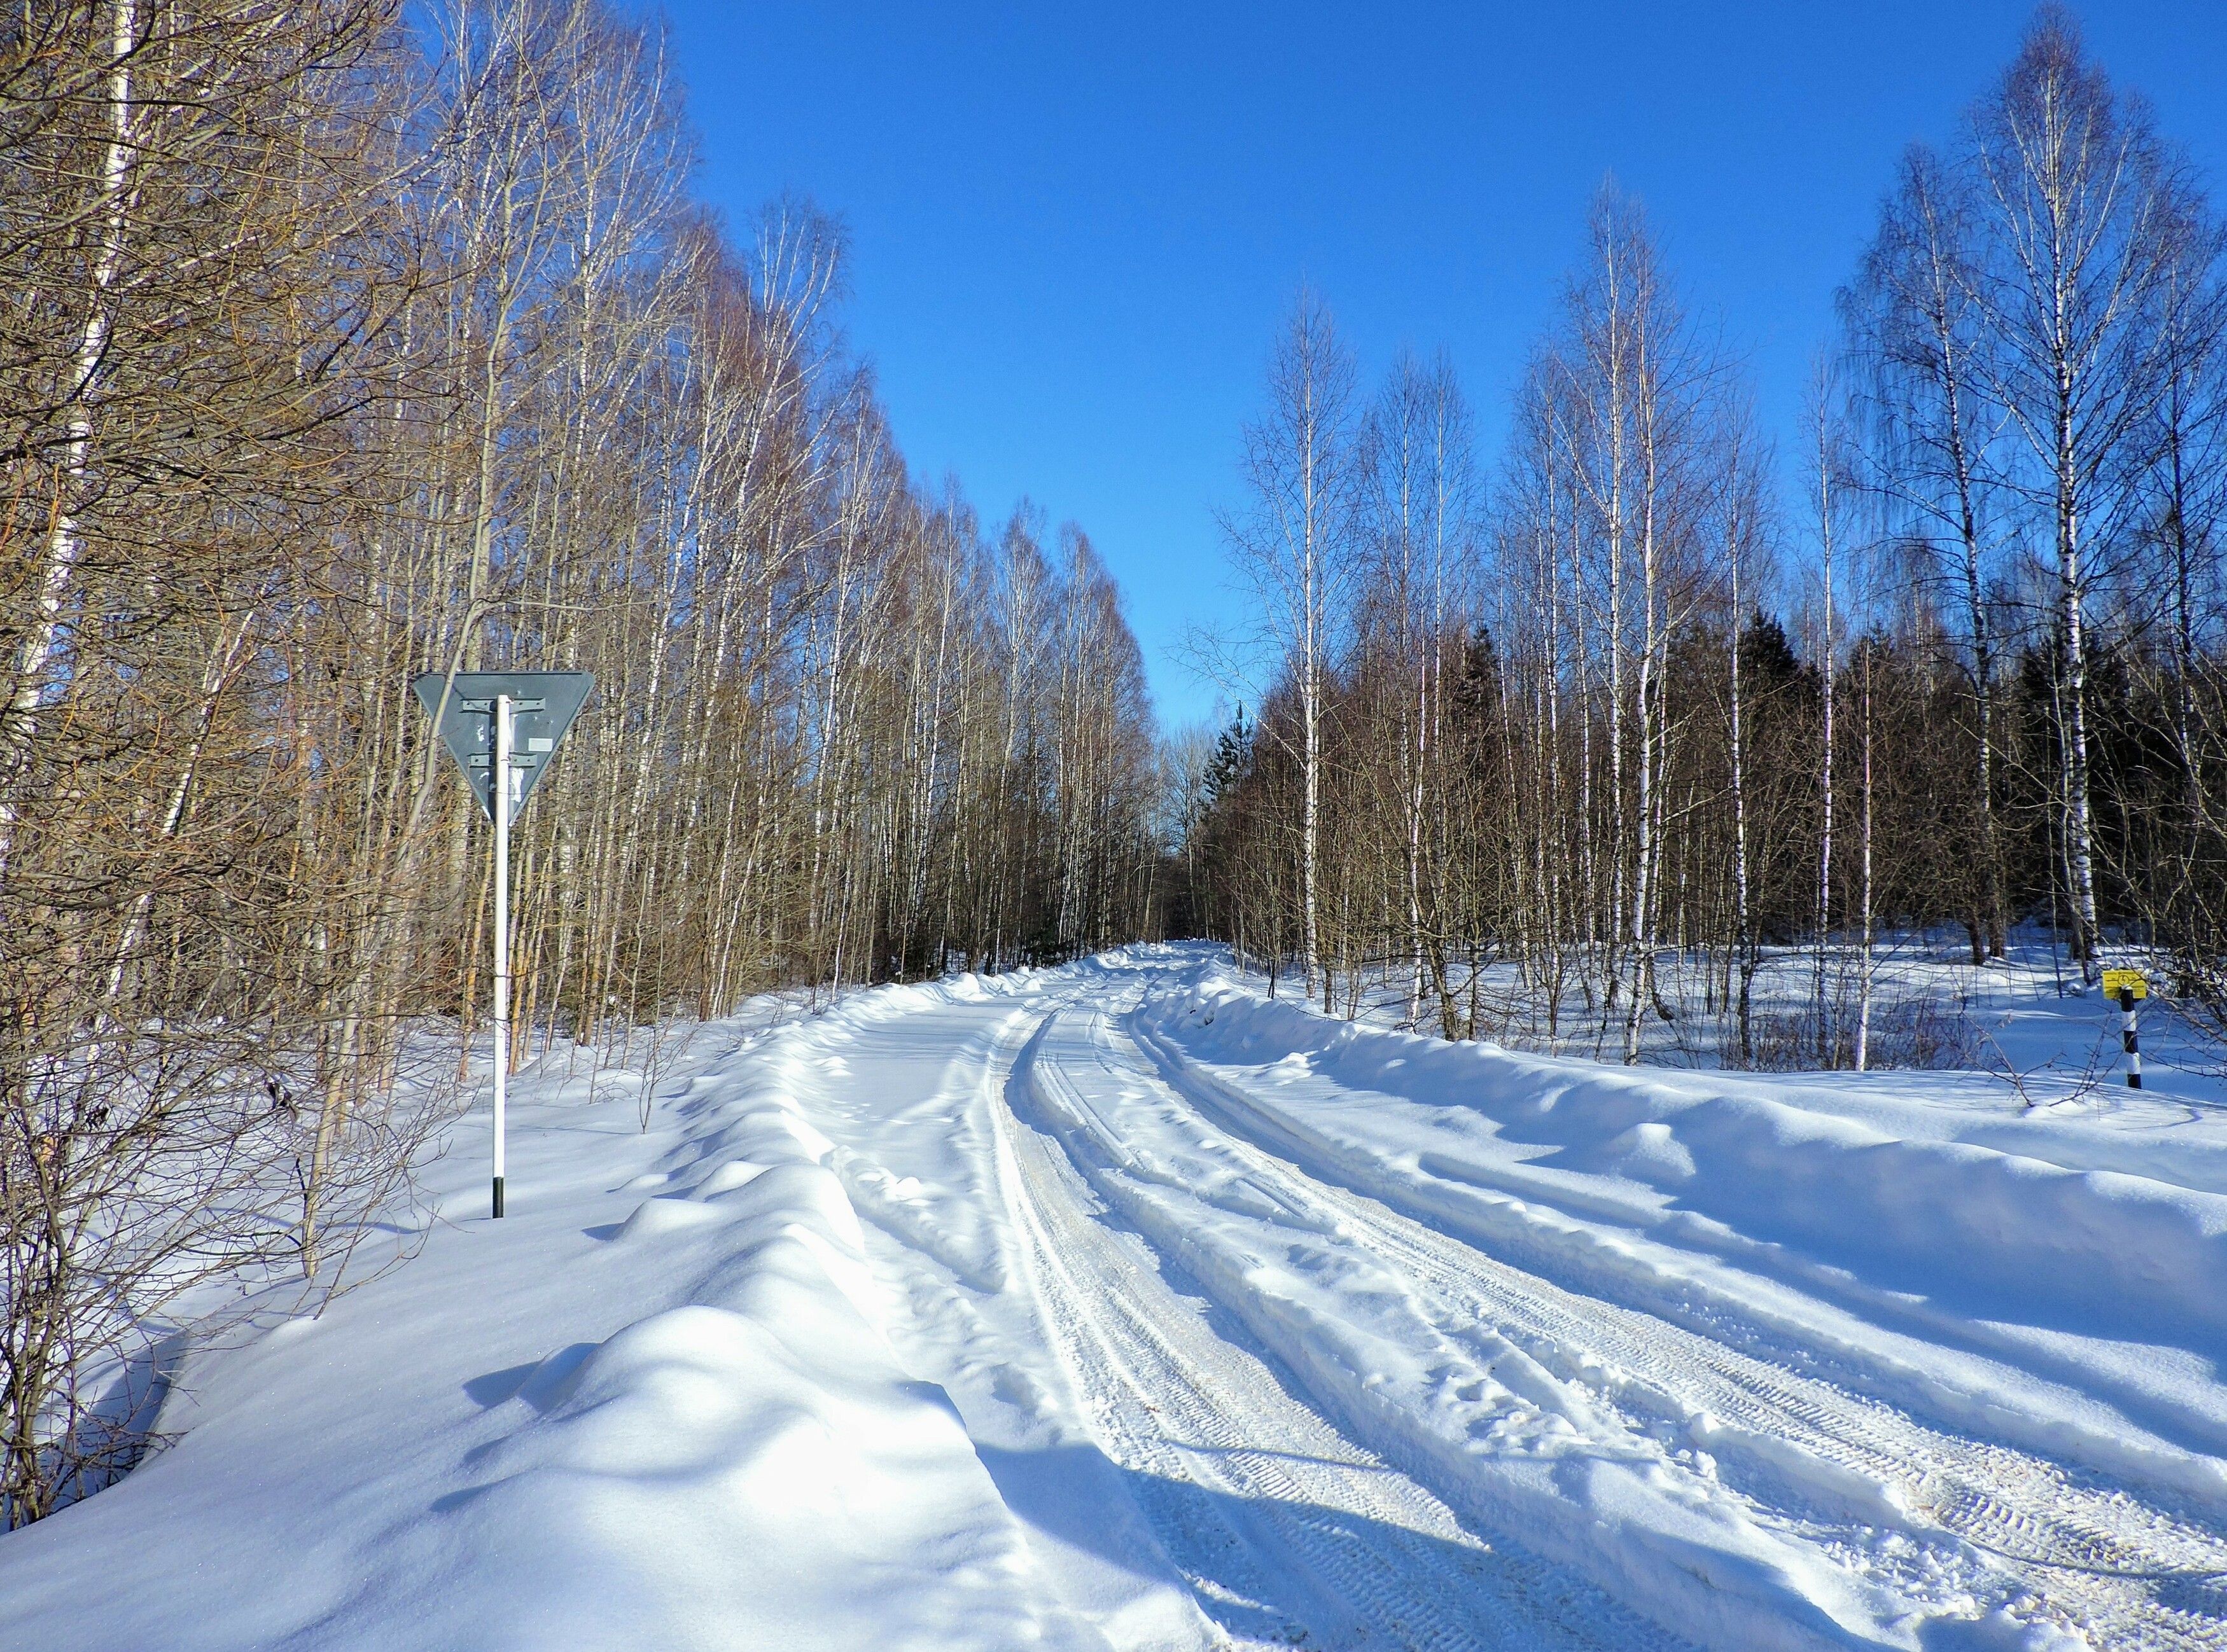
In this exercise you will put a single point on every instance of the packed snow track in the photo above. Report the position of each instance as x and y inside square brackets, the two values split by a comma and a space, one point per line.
[1289, 1532]
[1269, 1342]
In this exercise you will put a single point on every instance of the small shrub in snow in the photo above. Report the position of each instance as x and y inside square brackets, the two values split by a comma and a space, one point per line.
[1911, 1033]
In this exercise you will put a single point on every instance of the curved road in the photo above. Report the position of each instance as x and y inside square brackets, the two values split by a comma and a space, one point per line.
[1339, 1426]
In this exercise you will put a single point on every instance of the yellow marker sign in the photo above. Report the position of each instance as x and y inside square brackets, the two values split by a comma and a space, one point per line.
[2116, 981]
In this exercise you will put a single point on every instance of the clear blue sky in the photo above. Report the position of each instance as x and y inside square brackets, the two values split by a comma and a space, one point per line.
[1074, 227]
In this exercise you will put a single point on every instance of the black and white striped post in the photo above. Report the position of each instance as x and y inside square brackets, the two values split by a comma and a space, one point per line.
[2131, 1035]
[2128, 985]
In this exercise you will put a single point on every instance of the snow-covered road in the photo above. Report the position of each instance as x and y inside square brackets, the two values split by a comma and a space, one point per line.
[1362, 1399]
[1117, 1307]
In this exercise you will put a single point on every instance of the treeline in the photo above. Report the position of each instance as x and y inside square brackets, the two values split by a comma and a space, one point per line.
[1675, 698]
[339, 344]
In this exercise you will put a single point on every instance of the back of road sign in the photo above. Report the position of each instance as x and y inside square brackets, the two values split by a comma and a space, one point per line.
[543, 704]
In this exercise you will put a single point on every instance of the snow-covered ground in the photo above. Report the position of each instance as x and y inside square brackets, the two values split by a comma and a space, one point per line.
[2028, 1012]
[1117, 1307]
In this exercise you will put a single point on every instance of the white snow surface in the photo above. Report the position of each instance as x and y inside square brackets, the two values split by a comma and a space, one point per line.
[1117, 1306]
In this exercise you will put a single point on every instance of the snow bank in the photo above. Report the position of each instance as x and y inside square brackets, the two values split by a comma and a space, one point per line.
[613, 1420]
[1984, 1226]
[754, 1473]
[1673, 1189]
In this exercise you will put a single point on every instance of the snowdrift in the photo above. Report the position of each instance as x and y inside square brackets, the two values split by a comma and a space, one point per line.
[677, 1427]
[1995, 1234]
[1919, 1205]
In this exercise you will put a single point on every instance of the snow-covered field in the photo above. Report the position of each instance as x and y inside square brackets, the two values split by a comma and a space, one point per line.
[1117, 1307]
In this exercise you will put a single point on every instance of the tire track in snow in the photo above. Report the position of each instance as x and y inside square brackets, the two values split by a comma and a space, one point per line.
[1288, 1532]
[2125, 1571]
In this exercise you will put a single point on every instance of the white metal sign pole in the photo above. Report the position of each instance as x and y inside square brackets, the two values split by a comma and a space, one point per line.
[499, 795]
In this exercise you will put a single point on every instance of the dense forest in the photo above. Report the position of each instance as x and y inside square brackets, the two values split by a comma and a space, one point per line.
[1671, 698]
[340, 342]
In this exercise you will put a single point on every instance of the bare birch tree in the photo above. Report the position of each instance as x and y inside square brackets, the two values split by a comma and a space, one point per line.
[1293, 546]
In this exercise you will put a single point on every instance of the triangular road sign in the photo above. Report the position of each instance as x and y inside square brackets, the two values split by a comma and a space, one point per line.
[543, 705]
